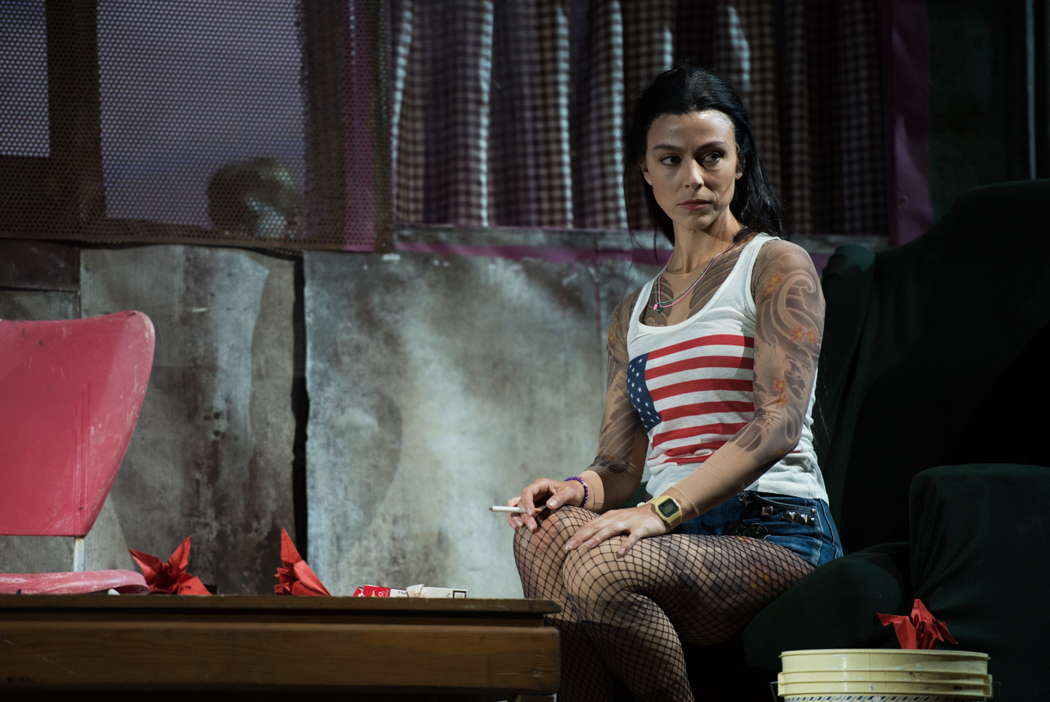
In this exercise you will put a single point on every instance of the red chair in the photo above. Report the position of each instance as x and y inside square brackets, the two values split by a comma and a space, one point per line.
[70, 396]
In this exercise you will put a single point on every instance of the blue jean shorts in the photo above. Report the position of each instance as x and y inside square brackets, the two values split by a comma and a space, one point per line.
[801, 524]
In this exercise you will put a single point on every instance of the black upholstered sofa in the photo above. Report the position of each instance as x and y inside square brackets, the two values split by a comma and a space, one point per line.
[933, 428]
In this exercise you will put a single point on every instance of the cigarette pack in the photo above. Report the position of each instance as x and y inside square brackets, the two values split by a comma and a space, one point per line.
[428, 591]
[411, 591]
[378, 591]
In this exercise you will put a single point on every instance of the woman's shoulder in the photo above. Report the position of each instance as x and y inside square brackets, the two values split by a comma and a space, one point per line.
[629, 301]
[620, 322]
[622, 313]
[780, 259]
[782, 254]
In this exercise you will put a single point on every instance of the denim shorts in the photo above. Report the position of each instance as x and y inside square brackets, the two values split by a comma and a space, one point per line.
[801, 524]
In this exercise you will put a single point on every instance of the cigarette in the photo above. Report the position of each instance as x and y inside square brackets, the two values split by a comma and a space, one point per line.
[505, 508]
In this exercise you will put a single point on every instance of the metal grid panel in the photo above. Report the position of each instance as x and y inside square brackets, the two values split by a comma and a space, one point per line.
[202, 114]
[23, 60]
[245, 122]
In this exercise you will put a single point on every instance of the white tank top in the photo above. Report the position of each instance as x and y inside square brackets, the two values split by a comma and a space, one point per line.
[692, 386]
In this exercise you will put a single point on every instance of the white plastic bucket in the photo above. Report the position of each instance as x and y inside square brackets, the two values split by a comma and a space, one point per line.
[877, 698]
[874, 675]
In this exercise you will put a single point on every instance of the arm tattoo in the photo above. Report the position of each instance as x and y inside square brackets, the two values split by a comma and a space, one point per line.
[790, 311]
[620, 423]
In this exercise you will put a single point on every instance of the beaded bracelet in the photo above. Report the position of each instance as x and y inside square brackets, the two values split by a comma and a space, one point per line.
[583, 483]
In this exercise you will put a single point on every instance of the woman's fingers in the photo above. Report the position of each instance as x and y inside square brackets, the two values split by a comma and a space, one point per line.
[605, 532]
[556, 499]
[538, 490]
[541, 494]
[586, 535]
[637, 523]
[514, 520]
[565, 493]
[632, 538]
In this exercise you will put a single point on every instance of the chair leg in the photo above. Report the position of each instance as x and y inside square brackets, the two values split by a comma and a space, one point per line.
[78, 554]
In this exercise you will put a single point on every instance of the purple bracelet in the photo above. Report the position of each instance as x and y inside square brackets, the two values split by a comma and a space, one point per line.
[581, 482]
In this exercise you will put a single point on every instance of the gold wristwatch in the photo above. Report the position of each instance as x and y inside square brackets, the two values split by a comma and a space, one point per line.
[667, 509]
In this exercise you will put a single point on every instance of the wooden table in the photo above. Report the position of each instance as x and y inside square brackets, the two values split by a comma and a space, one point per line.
[371, 648]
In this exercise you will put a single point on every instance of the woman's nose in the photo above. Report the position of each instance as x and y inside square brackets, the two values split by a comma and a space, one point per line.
[694, 176]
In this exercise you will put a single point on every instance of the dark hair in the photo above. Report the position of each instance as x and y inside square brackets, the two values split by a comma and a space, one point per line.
[691, 88]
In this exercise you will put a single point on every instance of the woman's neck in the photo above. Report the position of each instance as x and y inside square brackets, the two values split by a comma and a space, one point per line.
[695, 248]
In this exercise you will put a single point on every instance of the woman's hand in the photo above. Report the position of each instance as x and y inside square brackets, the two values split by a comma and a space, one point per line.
[543, 493]
[636, 522]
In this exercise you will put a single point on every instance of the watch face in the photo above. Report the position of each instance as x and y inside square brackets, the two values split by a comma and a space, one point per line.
[668, 508]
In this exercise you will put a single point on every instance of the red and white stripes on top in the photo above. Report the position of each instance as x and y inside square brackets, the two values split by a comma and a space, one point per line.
[692, 384]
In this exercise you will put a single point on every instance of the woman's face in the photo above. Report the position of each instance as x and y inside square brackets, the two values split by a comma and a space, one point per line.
[691, 163]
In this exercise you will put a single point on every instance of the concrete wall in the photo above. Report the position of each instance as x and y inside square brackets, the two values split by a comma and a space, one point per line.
[438, 385]
[212, 454]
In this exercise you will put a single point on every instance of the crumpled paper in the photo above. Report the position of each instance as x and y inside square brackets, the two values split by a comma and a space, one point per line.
[920, 629]
[294, 576]
[171, 576]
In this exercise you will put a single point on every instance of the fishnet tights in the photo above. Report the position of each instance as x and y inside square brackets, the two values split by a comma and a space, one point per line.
[625, 617]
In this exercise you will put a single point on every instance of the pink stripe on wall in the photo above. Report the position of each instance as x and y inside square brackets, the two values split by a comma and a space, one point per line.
[553, 254]
[905, 60]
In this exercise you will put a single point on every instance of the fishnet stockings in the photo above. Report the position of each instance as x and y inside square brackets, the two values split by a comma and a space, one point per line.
[625, 617]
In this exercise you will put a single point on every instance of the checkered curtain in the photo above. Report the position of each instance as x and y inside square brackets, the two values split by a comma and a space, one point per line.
[511, 112]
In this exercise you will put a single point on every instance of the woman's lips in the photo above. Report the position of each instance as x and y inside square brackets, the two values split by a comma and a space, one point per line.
[694, 204]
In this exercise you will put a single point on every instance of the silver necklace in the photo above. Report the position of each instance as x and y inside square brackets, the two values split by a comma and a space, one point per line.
[660, 305]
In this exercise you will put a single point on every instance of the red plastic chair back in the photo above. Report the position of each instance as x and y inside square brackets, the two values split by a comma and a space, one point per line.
[70, 396]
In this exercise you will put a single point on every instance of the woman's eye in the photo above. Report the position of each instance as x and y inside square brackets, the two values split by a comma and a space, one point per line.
[669, 160]
[713, 157]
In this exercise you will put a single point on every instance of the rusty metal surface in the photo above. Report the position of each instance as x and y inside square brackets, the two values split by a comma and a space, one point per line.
[211, 456]
[38, 304]
[39, 265]
[104, 549]
[439, 385]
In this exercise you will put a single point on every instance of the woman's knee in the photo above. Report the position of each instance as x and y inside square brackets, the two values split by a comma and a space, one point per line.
[600, 574]
[552, 533]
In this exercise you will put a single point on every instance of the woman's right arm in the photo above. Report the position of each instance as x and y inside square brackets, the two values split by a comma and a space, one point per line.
[616, 471]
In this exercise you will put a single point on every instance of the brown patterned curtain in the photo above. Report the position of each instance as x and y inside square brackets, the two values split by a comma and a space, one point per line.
[332, 123]
[511, 114]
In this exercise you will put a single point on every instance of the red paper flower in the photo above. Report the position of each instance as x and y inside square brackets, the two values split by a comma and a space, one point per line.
[170, 577]
[294, 576]
[918, 630]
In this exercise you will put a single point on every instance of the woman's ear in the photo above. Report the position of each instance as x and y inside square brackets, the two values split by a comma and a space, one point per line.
[645, 172]
[739, 168]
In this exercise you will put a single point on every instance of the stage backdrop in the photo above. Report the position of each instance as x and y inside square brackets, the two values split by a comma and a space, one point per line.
[440, 385]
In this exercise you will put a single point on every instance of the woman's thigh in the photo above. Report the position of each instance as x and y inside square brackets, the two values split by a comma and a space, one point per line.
[708, 586]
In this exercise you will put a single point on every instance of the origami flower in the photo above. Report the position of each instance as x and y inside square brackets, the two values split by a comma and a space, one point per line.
[919, 629]
[170, 577]
[294, 576]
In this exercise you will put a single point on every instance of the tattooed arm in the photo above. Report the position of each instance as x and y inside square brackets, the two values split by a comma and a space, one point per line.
[616, 471]
[790, 324]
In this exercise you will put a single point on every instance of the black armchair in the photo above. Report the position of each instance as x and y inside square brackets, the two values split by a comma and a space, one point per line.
[929, 425]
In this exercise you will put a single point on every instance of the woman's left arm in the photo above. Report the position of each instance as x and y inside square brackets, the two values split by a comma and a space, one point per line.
[790, 324]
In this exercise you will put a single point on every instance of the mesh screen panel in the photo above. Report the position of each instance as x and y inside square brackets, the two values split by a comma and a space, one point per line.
[282, 122]
[242, 121]
[23, 79]
[202, 113]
